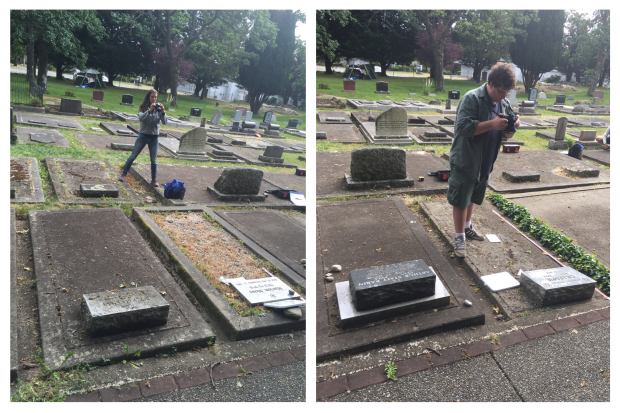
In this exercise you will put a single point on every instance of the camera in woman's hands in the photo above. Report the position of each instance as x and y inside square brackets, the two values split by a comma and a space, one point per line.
[158, 107]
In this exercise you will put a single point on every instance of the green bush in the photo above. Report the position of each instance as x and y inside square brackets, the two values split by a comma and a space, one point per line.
[272, 101]
[553, 79]
[560, 244]
[36, 102]
[68, 93]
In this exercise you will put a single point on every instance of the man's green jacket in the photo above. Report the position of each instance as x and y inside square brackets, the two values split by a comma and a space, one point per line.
[467, 151]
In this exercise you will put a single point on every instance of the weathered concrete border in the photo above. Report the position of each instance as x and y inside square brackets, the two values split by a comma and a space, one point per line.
[237, 327]
[61, 194]
[14, 360]
[197, 333]
[38, 195]
[413, 327]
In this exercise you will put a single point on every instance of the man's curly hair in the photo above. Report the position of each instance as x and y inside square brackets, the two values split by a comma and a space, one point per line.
[503, 76]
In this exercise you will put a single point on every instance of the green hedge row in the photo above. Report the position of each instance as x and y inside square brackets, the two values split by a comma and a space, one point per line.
[562, 245]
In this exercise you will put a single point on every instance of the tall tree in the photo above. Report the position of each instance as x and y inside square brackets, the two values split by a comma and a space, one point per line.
[538, 49]
[576, 51]
[296, 85]
[268, 69]
[330, 32]
[430, 19]
[187, 26]
[451, 51]
[601, 36]
[485, 36]
[161, 66]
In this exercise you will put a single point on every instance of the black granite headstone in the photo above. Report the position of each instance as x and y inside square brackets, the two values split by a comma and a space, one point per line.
[560, 100]
[127, 100]
[267, 117]
[533, 94]
[391, 284]
[195, 112]
[557, 285]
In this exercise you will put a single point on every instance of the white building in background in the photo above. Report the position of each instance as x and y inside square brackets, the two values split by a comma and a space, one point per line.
[467, 71]
[228, 91]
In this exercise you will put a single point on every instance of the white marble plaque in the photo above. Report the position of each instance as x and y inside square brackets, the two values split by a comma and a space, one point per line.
[264, 290]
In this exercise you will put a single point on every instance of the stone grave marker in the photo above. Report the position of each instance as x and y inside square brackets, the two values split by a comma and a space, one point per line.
[595, 100]
[570, 97]
[598, 94]
[195, 112]
[533, 93]
[63, 122]
[193, 142]
[559, 141]
[264, 290]
[215, 118]
[107, 313]
[448, 104]
[557, 285]
[392, 123]
[42, 137]
[484, 75]
[272, 154]
[542, 96]
[587, 135]
[267, 117]
[382, 87]
[274, 119]
[512, 98]
[25, 180]
[248, 115]
[374, 164]
[238, 184]
[71, 106]
[242, 109]
[390, 284]
[98, 190]
[97, 96]
[521, 176]
[560, 100]
[203, 123]
[127, 100]
[581, 171]
[349, 86]
[292, 124]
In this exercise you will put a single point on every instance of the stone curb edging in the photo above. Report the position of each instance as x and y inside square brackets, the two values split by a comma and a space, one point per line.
[345, 383]
[193, 378]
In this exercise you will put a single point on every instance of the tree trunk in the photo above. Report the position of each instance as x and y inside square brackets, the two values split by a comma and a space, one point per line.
[601, 79]
[204, 93]
[384, 68]
[328, 67]
[600, 60]
[42, 76]
[477, 71]
[578, 77]
[30, 60]
[431, 71]
[439, 86]
[59, 69]
[568, 75]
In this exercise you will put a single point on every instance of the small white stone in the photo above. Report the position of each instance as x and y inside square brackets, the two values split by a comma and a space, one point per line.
[303, 260]
[329, 274]
[329, 278]
[335, 268]
[467, 303]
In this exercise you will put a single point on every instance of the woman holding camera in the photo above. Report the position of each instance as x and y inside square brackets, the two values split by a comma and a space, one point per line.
[150, 113]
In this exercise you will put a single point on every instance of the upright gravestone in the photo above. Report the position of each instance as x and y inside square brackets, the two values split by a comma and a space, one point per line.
[570, 97]
[454, 94]
[448, 104]
[193, 142]
[71, 106]
[560, 100]
[267, 117]
[349, 86]
[542, 96]
[595, 101]
[215, 119]
[195, 112]
[512, 98]
[237, 119]
[392, 124]
[484, 75]
[248, 115]
[560, 133]
[378, 167]
[127, 100]
[292, 124]
[203, 122]
[97, 96]
[533, 94]
[272, 154]
[238, 184]
[242, 109]
[599, 94]
[382, 87]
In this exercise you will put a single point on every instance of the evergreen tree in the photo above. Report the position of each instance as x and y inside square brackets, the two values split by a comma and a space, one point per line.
[332, 29]
[539, 48]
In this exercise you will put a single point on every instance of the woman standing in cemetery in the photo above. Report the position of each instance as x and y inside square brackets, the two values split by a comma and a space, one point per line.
[150, 113]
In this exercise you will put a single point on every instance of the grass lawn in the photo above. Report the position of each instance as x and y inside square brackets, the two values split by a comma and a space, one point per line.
[113, 97]
[400, 87]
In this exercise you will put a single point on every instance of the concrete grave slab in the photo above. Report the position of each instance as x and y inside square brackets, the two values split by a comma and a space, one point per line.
[26, 180]
[341, 133]
[119, 129]
[197, 179]
[546, 163]
[587, 121]
[31, 119]
[104, 142]
[79, 252]
[250, 156]
[68, 174]
[14, 357]
[603, 157]
[593, 235]
[484, 257]
[98, 190]
[367, 233]
[332, 167]
[25, 135]
[286, 181]
[237, 327]
[333, 117]
[279, 234]
[290, 146]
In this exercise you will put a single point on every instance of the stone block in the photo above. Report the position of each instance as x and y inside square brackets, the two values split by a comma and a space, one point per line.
[557, 286]
[274, 151]
[107, 313]
[71, 106]
[98, 190]
[321, 135]
[42, 137]
[587, 136]
[215, 118]
[521, 176]
[373, 164]
[215, 140]
[430, 134]
[239, 181]
[392, 124]
[222, 153]
[122, 146]
[390, 284]
[581, 171]
[557, 145]
[270, 159]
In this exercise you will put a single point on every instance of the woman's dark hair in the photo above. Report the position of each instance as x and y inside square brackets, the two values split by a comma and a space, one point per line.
[146, 102]
[503, 76]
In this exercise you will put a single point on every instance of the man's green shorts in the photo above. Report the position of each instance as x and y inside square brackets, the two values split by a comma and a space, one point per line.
[462, 190]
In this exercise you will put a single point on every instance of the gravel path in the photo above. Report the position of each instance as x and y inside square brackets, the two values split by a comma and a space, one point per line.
[278, 384]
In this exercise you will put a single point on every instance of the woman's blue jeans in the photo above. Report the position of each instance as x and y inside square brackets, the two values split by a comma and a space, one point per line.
[141, 142]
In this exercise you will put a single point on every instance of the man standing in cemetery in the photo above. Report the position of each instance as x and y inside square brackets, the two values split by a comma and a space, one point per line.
[478, 132]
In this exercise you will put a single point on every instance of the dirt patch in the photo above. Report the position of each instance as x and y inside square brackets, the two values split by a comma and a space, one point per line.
[216, 253]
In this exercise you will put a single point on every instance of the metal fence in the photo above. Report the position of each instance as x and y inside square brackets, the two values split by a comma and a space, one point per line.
[23, 91]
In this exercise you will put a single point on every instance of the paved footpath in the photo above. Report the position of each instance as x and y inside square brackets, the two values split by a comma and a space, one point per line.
[274, 377]
[564, 360]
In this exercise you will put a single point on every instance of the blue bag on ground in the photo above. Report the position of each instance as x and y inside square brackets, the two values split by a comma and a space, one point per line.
[174, 189]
